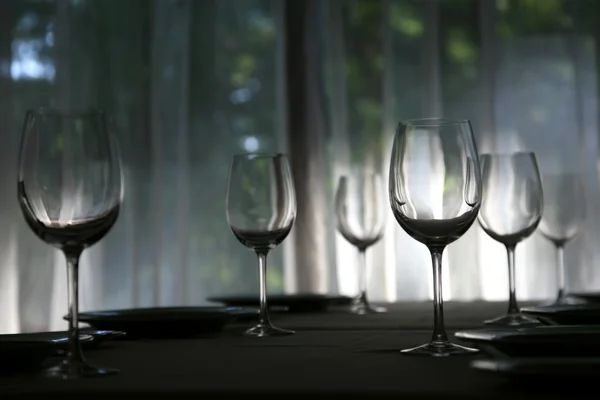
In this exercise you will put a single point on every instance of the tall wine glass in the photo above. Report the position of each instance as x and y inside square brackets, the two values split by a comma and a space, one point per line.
[261, 209]
[70, 190]
[510, 212]
[564, 213]
[435, 194]
[359, 208]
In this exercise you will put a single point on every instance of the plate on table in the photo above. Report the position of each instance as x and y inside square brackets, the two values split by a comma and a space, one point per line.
[102, 335]
[59, 340]
[566, 314]
[165, 321]
[584, 297]
[298, 303]
[538, 341]
[561, 368]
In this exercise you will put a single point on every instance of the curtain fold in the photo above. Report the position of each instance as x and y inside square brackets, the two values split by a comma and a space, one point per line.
[306, 129]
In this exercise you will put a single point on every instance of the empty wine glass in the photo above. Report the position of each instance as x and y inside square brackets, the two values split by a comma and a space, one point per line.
[435, 194]
[359, 209]
[564, 213]
[510, 212]
[70, 190]
[261, 209]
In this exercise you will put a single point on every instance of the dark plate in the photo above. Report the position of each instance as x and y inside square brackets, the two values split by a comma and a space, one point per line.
[288, 302]
[91, 338]
[101, 336]
[583, 297]
[59, 340]
[24, 356]
[165, 321]
[539, 341]
[560, 368]
[566, 314]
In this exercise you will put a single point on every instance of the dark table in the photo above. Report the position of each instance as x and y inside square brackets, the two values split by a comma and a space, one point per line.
[332, 353]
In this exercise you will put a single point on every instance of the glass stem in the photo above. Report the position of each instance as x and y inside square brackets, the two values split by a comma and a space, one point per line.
[74, 355]
[560, 264]
[439, 329]
[513, 307]
[362, 277]
[262, 276]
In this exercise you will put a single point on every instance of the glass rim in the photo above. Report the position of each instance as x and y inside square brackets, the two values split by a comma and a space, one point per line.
[258, 155]
[435, 121]
[67, 112]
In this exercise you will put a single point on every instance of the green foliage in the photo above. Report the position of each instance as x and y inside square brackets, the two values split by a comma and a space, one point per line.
[405, 19]
[518, 17]
[364, 68]
[245, 68]
[460, 47]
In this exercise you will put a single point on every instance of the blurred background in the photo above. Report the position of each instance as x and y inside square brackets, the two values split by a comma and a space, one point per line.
[192, 81]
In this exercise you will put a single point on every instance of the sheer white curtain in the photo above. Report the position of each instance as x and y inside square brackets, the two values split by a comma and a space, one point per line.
[526, 79]
[525, 89]
[191, 82]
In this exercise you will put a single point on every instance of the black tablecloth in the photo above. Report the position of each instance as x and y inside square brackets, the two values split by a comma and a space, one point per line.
[331, 353]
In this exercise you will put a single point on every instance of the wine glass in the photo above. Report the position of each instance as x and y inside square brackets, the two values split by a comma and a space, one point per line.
[510, 212]
[70, 190]
[261, 209]
[359, 209]
[564, 213]
[435, 194]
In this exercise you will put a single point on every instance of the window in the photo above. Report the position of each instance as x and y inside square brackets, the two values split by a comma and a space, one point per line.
[191, 82]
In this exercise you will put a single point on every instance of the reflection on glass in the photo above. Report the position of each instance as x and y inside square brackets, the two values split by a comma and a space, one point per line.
[359, 208]
[510, 212]
[564, 213]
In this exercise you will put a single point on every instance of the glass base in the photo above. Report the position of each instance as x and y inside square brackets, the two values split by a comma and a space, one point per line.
[263, 330]
[66, 370]
[440, 349]
[363, 309]
[513, 320]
